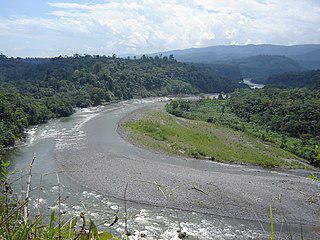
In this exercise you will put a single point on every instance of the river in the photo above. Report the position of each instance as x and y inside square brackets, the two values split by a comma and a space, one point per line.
[251, 84]
[88, 131]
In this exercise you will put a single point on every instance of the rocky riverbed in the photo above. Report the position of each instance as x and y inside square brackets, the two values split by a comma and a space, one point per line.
[243, 192]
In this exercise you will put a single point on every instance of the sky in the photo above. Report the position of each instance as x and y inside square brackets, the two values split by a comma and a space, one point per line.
[64, 27]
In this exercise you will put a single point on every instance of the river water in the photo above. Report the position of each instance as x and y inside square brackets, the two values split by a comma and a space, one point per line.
[251, 84]
[71, 134]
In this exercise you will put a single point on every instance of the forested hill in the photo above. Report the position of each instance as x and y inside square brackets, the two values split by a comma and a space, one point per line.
[263, 66]
[228, 71]
[32, 91]
[308, 79]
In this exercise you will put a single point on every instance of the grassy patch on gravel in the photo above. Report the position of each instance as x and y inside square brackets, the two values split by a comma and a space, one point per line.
[198, 139]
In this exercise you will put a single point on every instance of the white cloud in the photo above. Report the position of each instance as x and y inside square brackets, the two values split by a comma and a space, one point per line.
[139, 26]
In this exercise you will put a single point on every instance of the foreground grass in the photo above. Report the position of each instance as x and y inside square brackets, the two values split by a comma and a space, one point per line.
[18, 221]
[198, 139]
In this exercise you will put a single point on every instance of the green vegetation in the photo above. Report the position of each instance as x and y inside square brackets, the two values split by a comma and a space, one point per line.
[295, 112]
[263, 66]
[308, 79]
[289, 119]
[224, 70]
[199, 139]
[35, 90]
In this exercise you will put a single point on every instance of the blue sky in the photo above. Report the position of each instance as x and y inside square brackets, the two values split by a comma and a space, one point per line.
[35, 8]
[54, 27]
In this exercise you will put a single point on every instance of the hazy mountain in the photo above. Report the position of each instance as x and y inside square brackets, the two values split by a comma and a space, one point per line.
[258, 61]
[227, 52]
[309, 60]
[221, 53]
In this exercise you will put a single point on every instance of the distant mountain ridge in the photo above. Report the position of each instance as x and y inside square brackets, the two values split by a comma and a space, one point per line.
[282, 58]
[224, 52]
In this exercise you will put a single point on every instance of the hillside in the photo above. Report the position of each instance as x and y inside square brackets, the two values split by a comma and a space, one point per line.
[308, 79]
[309, 60]
[262, 66]
[226, 70]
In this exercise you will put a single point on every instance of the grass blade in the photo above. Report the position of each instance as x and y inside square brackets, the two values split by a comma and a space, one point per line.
[51, 225]
[271, 225]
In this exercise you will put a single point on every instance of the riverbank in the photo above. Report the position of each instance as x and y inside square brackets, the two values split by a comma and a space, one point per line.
[109, 163]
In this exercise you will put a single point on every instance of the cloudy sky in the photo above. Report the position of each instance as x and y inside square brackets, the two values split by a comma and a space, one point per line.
[51, 28]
